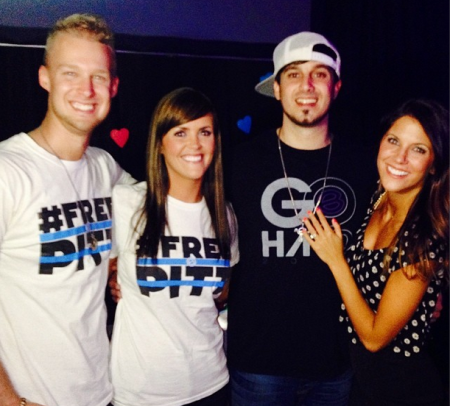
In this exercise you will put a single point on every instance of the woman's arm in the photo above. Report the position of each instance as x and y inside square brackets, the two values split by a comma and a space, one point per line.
[8, 396]
[400, 298]
[222, 300]
[114, 286]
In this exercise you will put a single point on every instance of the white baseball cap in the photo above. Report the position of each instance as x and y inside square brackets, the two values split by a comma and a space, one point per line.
[302, 47]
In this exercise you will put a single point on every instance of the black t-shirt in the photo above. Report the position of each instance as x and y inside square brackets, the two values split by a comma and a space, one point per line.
[284, 303]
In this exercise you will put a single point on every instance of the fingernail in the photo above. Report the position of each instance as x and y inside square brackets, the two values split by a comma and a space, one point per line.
[318, 209]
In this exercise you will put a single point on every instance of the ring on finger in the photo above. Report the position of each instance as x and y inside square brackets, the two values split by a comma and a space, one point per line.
[313, 236]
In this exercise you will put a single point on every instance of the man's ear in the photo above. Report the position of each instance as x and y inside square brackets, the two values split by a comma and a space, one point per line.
[114, 86]
[337, 88]
[276, 89]
[44, 80]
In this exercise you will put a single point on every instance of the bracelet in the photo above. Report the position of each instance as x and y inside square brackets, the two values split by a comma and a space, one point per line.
[23, 402]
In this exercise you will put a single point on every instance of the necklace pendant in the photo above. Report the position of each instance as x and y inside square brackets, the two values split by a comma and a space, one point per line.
[299, 232]
[302, 227]
[93, 241]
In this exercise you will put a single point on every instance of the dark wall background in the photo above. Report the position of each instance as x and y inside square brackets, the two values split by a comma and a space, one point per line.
[194, 19]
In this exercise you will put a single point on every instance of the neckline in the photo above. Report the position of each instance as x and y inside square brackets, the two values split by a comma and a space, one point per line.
[363, 233]
[52, 157]
[292, 151]
[174, 200]
[68, 167]
[311, 139]
[299, 230]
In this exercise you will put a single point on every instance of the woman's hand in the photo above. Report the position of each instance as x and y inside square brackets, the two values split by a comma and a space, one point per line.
[326, 241]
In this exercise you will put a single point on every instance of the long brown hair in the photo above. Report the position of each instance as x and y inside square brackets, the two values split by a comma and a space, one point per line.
[429, 213]
[176, 108]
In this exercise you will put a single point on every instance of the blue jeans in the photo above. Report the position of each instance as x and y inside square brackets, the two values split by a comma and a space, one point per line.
[268, 390]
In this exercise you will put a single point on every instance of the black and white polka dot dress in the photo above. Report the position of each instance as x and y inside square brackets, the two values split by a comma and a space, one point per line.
[371, 278]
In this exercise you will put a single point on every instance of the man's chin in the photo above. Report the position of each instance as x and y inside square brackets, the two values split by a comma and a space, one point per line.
[84, 129]
[86, 126]
[308, 122]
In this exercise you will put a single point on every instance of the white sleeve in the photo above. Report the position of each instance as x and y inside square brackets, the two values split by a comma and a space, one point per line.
[124, 178]
[7, 204]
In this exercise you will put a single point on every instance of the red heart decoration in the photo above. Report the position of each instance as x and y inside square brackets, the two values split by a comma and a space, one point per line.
[120, 137]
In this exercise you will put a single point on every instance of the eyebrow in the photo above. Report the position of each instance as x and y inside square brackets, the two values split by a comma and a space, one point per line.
[429, 146]
[66, 65]
[295, 65]
[75, 66]
[184, 127]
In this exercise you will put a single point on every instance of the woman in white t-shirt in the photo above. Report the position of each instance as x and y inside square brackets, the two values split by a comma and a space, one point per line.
[176, 241]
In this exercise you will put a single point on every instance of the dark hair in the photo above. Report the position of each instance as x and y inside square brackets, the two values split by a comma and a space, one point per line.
[430, 209]
[178, 107]
[88, 25]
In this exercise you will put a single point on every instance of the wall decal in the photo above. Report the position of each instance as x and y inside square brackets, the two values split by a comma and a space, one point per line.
[245, 124]
[265, 76]
[120, 137]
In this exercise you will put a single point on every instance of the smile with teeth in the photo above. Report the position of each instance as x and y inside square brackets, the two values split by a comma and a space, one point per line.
[192, 158]
[396, 172]
[304, 100]
[83, 106]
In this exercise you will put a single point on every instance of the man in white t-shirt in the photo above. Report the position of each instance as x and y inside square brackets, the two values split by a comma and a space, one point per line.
[55, 229]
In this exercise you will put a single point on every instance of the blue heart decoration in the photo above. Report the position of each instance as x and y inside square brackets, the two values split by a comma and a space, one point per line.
[245, 124]
[265, 76]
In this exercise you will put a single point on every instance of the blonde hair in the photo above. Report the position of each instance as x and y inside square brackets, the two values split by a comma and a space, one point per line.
[84, 25]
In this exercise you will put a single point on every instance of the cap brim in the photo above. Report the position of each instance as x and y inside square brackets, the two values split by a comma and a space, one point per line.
[265, 87]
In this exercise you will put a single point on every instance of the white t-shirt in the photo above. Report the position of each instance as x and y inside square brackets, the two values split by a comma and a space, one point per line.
[53, 341]
[167, 346]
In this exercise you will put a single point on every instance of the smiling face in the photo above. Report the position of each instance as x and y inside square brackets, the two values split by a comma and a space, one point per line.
[405, 157]
[78, 79]
[306, 90]
[188, 150]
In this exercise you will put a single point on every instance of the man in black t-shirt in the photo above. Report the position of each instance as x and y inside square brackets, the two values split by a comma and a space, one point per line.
[284, 336]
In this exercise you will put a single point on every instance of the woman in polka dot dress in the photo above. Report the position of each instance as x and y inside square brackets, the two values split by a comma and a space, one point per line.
[398, 264]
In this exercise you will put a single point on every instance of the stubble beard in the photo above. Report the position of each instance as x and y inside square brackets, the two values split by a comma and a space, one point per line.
[76, 125]
[307, 120]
